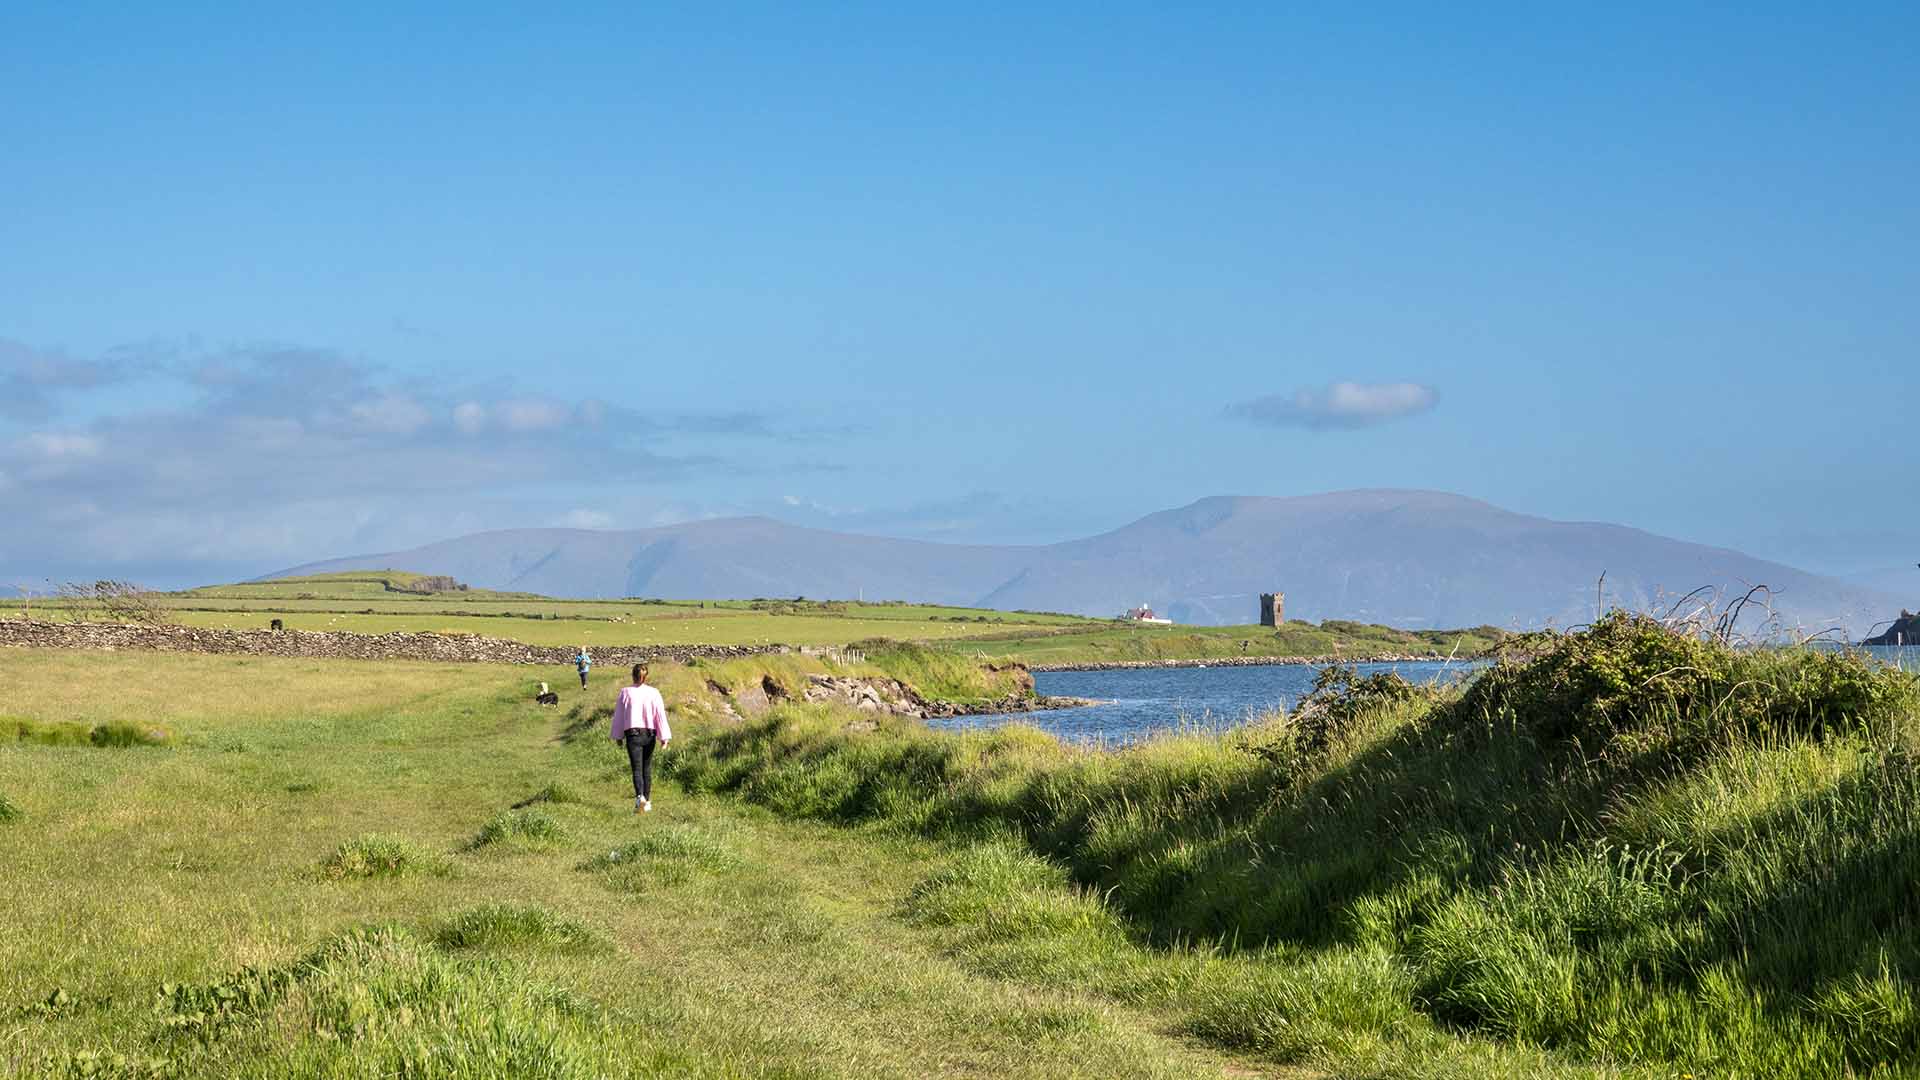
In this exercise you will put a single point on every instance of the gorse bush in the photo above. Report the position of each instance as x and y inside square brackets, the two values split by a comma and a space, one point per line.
[1626, 843]
[1629, 676]
[1341, 696]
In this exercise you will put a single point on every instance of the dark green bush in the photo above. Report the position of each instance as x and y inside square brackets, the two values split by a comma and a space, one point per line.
[1631, 675]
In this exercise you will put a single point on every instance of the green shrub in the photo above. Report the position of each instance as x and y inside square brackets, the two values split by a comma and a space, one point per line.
[1341, 696]
[8, 811]
[1630, 678]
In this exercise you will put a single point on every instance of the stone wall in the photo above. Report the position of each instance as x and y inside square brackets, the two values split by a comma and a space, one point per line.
[399, 645]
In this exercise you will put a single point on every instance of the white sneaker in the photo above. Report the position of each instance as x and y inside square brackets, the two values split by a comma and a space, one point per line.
[646, 806]
[639, 805]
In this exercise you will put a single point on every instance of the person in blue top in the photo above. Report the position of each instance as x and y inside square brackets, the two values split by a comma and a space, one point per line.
[584, 663]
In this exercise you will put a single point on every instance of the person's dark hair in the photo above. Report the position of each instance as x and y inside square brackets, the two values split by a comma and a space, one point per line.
[639, 673]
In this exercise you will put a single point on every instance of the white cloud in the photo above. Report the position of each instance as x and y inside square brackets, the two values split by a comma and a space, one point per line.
[470, 417]
[394, 414]
[59, 446]
[531, 414]
[1341, 405]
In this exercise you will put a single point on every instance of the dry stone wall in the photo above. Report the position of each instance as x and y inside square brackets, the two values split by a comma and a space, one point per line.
[399, 645]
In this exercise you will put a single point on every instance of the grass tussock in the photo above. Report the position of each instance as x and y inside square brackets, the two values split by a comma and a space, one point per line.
[380, 1002]
[557, 791]
[1015, 915]
[376, 855]
[692, 845]
[509, 926]
[115, 734]
[1627, 844]
[8, 811]
[530, 827]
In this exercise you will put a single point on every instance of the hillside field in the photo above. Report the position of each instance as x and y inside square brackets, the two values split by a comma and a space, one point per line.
[377, 602]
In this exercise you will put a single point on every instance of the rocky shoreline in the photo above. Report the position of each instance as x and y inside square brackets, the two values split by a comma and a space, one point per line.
[869, 694]
[1250, 661]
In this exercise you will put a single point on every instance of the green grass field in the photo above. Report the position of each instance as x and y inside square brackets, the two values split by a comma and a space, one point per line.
[322, 871]
[374, 602]
[1111, 642]
[1629, 854]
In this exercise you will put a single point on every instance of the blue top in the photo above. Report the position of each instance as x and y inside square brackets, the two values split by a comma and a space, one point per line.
[582, 662]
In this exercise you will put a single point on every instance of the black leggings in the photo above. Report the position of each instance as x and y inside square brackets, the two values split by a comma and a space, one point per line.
[640, 755]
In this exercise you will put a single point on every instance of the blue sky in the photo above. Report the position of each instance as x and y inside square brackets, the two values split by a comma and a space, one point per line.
[283, 285]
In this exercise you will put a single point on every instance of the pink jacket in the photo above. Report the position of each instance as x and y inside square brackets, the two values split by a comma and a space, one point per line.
[640, 707]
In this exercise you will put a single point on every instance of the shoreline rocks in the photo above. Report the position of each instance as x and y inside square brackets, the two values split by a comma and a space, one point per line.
[893, 696]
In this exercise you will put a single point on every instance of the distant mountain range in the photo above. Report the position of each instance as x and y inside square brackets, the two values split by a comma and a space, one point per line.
[1404, 558]
[1903, 582]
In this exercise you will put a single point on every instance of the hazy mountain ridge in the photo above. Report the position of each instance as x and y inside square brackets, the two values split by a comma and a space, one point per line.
[1406, 558]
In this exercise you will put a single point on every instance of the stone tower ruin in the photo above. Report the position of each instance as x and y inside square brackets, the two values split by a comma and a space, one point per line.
[1272, 608]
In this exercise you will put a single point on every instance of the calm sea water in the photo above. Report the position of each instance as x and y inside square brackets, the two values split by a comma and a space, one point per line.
[1905, 657]
[1139, 703]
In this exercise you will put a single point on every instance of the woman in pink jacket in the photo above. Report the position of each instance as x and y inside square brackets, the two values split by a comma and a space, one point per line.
[640, 721]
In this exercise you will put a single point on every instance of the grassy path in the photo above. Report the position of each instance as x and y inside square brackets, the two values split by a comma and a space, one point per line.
[189, 908]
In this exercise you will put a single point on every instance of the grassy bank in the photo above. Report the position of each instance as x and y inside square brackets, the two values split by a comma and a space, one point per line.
[1628, 847]
[1113, 642]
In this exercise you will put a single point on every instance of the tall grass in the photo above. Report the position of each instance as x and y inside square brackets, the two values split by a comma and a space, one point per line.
[1627, 844]
[117, 734]
[376, 855]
